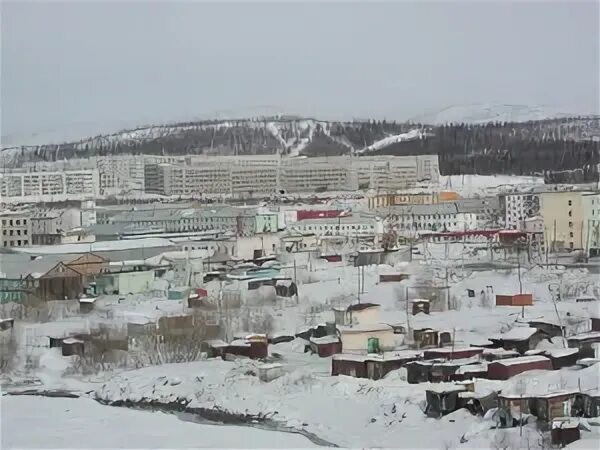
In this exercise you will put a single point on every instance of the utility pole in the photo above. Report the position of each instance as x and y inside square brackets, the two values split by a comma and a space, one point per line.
[358, 291]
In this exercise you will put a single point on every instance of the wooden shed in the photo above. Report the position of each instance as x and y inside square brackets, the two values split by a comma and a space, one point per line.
[514, 300]
[350, 365]
[565, 430]
[325, 346]
[72, 346]
[420, 305]
[393, 277]
[505, 368]
[549, 406]
[60, 283]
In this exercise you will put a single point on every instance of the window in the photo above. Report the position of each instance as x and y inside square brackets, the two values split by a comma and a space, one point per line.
[18, 221]
[570, 213]
[570, 224]
[3, 221]
[571, 245]
[571, 234]
[570, 202]
[10, 222]
[4, 232]
[12, 243]
[11, 232]
[19, 242]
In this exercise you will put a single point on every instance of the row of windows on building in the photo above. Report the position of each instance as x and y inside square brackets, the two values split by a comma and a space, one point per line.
[13, 232]
[17, 243]
[15, 222]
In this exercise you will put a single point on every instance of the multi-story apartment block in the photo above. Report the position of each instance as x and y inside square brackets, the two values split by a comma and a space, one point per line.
[240, 221]
[350, 226]
[316, 175]
[15, 229]
[439, 217]
[263, 175]
[48, 186]
[519, 206]
[564, 219]
[120, 174]
[591, 223]
[254, 180]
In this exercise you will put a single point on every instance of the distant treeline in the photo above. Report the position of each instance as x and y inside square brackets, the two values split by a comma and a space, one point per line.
[554, 148]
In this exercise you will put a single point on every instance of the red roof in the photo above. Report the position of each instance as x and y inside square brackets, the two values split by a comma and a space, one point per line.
[306, 214]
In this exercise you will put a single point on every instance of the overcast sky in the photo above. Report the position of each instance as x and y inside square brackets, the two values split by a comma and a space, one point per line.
[79, 63]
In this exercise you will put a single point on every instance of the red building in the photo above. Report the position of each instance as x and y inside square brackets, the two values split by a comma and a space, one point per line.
[503, 369]
[307, 214]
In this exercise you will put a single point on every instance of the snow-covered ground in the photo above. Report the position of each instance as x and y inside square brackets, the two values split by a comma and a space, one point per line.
[41, 422]
[342, 410]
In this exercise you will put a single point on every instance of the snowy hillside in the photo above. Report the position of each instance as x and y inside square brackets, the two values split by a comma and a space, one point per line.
[482, 113]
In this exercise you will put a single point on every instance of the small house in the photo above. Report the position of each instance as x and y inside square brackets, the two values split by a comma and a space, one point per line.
[514, 300]
[520, 339]
[369, 338]
[440, 402]
[420, 305]
[586, 404]
[379, 365]
[372, 366]
[548, 406]
[72, 346]
[584, 342]
[426, 337]
[505, 368]
[325, 346]
[562, 357]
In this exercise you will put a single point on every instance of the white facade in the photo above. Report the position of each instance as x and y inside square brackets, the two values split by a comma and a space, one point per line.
[518, 207]
[48, 186]
[352, 226]
[263, 175]
[120, 173]
[355, 339]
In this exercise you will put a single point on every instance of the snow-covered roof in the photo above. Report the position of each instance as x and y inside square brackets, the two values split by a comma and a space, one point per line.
[520, 360]
[516, 334]
[72, 341]
[104, 246]
[325, 340]
[365, 328]
[584, 336]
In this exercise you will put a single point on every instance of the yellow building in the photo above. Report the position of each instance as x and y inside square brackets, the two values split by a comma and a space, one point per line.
[564, 217]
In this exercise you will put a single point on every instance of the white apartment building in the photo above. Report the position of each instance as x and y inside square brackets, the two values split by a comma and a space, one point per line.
[304, 175]
[441, 217]
[120, 174]
[391, 173]
[350, 226]
[518, 207]
[18, 187]
[15, 229]
[254, 180]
